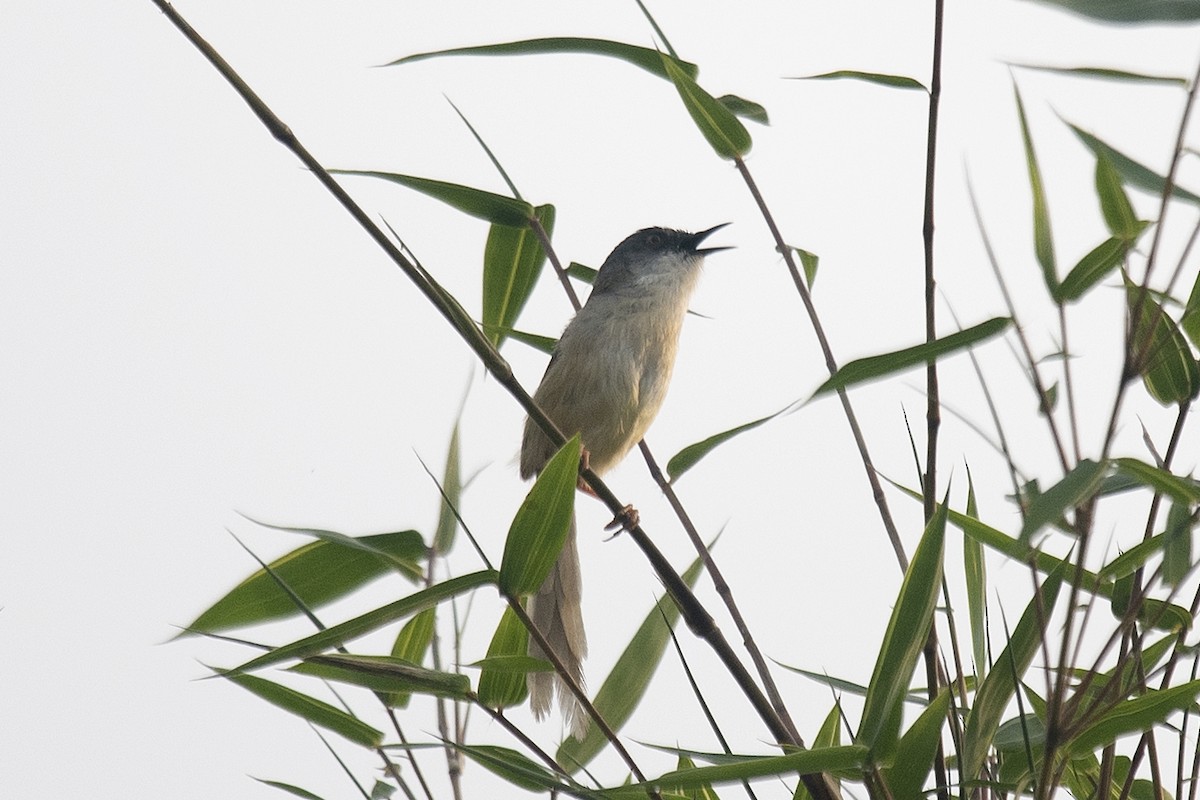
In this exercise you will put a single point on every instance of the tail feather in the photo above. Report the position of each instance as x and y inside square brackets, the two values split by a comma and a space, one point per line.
[556, 611]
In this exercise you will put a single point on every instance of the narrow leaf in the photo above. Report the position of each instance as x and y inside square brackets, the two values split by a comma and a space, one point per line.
[540, 526]
[385, 674]
[1107, 74]
[806, 762]
[1043, 241]
[582, 272]
[1118, 212]
[720, 126]
[1184, 490]
[1131, 11]
[495, 208]
[1134, 716]
[1190, 321]
[411, 644]
[975, 574]
[1132, 172]
[997, 689]
[292, 790]
[373, 620]
[1076, 487]
[1094, 267]
[626, 685]
[689, 456]
[894, 81]
[512, 261]
[746, 109]
[874, 367]
[907, 632]
[499, 688]
[1177, 548]
[319, 573]
[543, 344]
[917, 749]
[647, 59]
[317, 712]
[514, 767]
[447, 526]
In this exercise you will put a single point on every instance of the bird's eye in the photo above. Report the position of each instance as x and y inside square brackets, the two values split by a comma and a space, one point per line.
[654, 240]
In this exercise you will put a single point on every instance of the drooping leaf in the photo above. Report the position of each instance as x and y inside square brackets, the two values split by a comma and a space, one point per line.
[647, 59]
[512, 261]
[514, 767]
[316, 711]
[1132, 172]
[907, 632]
[917, 749]
[626, 685]
[1077, 486]
[1131, 12]
[1134, 716]
[893, 81]
[1184, 490]
[1043, 240]
[975, 574]
[720, 126]
[689, 456]
[997, 689]
[1177, 545]
[541, 524]
[495, 208]
[746, 109]
[1160, 353]
[319, 573]
[873, 367]
[373, 620]
[500, 688]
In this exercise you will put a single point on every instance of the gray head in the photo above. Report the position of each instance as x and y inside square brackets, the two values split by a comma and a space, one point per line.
[651, 256]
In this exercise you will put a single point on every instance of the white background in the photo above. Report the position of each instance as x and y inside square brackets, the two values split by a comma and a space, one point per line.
[191, 328]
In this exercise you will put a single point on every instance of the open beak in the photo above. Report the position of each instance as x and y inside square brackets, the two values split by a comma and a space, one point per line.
[697, 238]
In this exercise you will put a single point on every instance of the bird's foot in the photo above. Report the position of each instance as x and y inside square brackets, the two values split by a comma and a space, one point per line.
[626, 520]
[585, 465]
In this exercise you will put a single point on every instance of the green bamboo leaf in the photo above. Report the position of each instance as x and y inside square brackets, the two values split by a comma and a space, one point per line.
[1134, 716]
[447, 525]
[1132, 559]
[1177, 547]
[1184, 490]
[893, 81]
[499, 688]
[514, 767]
[319, 573]
[873, 367]
[582, 272]
[1043, 240]
[317, 712]
[809, 262]
[1094, 267]
[540, 526]
[411, 645]
[512, 261]
[1080, 484]
[1161, 353]
[1126, 678]
[495, 208]
[626, 685]
[917, 749]
[805, 762]
[746, 109]
[1105, 73]
[1132, 172]
[975, 574]
[292, 790]
[1131, 11]
[702, 792]
[1118, 212]
[997, 689]
[516, 665]
[907, 632]
[543, 344]
[373, 620]
[647, 59]
[724, 132]
[1190, 321]
[830, 734]
[689, 456]
[385, 674]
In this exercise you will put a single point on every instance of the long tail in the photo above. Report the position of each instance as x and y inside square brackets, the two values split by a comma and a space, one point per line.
[557, 613]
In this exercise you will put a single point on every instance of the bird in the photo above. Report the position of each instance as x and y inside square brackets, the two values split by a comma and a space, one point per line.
[606, 380]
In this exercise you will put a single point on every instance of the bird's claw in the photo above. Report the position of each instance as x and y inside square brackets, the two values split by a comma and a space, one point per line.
[626, 520]
[584, 466]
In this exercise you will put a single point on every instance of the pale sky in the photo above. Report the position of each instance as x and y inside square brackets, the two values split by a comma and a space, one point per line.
[192, 328]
